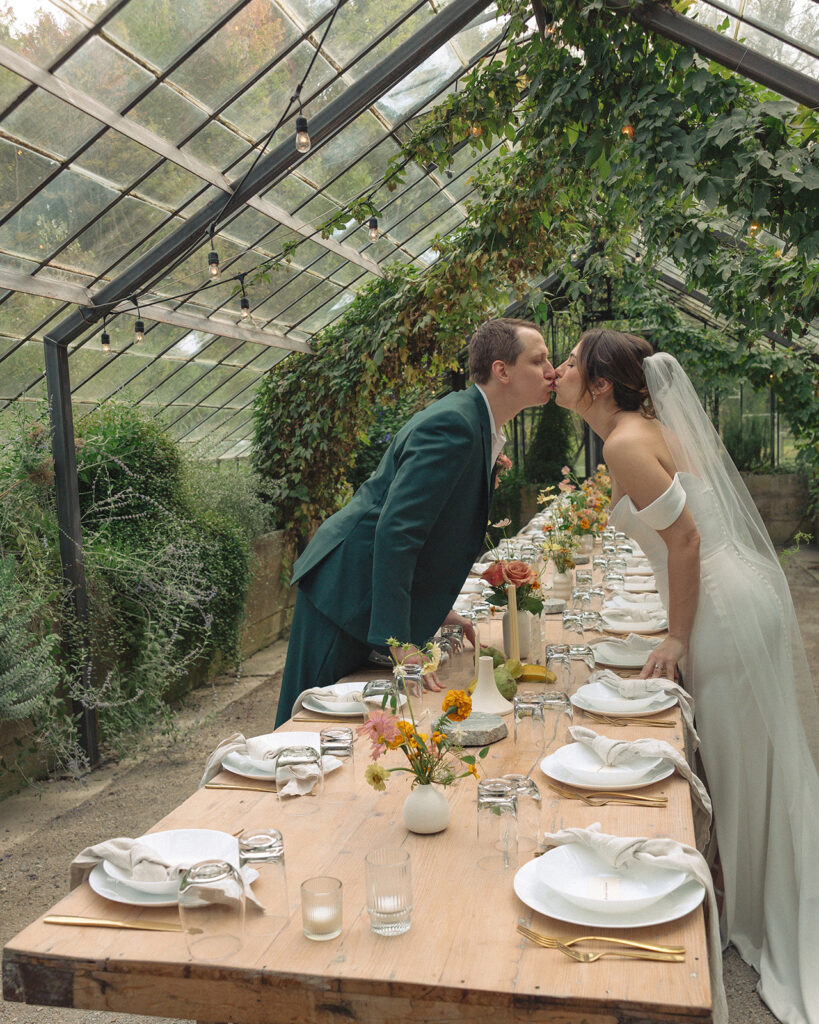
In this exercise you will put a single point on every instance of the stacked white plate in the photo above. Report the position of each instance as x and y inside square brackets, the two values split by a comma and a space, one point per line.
[250, 767]
[626, 620]
[578, 765]
[180, 847]
[639, 584]
[630, 653]
[573, 883]
[603, 699]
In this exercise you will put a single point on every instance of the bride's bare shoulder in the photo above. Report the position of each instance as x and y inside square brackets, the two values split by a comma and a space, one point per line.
[634, 434]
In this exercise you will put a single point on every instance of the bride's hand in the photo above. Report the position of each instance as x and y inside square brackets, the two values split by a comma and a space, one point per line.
[662, 662]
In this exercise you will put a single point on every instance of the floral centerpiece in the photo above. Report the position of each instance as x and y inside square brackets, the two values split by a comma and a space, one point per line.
[524, 579]
[433, 757]
[582, 505]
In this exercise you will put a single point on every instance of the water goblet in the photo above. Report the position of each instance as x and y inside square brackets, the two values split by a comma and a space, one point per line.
[388, 882]
[529, 806]
[263, 850]
[212, 910]
[321, 905]
[497, 826]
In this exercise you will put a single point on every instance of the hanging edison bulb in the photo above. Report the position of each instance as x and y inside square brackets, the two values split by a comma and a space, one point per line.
[754, 228]
[628, 130]
[213, 263]
[302, 135]
[139, 331]
[373, 226]
[105, 341]
[245, 305]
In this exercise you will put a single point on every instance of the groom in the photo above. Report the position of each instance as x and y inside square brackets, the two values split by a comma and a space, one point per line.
[391, 563]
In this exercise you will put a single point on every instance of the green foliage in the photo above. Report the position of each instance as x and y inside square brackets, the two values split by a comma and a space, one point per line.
[506, 504]
[549, 449]
[747, 439]
[28, 671]
[389, 416]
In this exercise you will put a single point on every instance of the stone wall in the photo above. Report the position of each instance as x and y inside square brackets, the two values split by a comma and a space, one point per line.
[782, 500]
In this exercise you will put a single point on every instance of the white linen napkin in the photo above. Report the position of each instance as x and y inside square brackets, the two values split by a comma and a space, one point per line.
[632, 689]
[663, 853]
[642, 614]
[634, 642]
[257, 748]
[634, 602]
[622, 751]
[143, 864]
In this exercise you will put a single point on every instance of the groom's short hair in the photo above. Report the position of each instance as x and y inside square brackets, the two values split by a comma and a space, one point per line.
[495, 339]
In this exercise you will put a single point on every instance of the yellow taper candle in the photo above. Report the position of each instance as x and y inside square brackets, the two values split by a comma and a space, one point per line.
[514, 639]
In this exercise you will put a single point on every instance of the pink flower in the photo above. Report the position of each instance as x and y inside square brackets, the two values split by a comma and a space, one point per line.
[380, 728]
[503, 462]
[519, 573]
[494, 574]
[565, 471]
[501, 524]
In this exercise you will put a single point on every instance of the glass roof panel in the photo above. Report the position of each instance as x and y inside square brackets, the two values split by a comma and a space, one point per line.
[21, 170]
[116, 159]
[158, 31]
[226, 396]
[20, 314]
[54, 215]
[169, 186]
[168, 114]
[50, 125]
[219, 67]
[106, 373]
[421, 83]
[330, 160]
[110, 237]
[104, 73]
[20, 368]
[38, 30]
[11, 86]
[360, 21]
[216, 145]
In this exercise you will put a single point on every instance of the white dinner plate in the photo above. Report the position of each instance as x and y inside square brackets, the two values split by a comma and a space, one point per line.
[601, 697]
[554, 769]
[640, 585]
[625, 626]
[535, 895]
[580, 761]
[583, 877]
[182, 847]
[313, 704]
[616, 655]
[111, 889]
[579, 701]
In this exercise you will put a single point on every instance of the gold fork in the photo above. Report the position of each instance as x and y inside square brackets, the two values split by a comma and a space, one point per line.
[600, 799]
[550, 943]
[660, 723]
[629, 954]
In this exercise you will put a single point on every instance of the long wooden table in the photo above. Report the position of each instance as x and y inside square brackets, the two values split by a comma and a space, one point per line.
[462, 959]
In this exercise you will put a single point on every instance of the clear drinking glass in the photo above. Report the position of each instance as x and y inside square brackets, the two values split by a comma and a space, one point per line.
[557, 717]
[381, 693]
[583, 578]
[529, 805]
[296, 769]
[581, 599]
[559, 662]
[455, 637]
[529, 729]
[410, 680]
[597, 596]
[581, 655]
[572, 627]
[212, 910]
[263, 850]
[592, 621]
[338, 741]
[444, 670]
[389, 891]
[599, 562]
[614, 582]
[497, 826]
[321, 903]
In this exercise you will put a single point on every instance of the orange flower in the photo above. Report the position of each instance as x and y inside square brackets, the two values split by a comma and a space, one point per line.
[458, 705]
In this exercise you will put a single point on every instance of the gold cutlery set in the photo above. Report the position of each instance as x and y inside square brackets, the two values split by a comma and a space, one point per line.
[625, 948]
[598, 798]
[659, 723]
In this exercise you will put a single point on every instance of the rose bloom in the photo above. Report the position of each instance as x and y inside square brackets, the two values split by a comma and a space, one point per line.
[494, 574]
[519, 573]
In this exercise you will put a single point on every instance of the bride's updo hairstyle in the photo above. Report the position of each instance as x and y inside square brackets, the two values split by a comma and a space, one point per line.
[604, 354]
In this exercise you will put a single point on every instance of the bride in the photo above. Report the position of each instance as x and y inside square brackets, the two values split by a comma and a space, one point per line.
[733, 635]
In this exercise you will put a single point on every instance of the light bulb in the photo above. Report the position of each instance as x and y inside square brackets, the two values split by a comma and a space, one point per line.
[213, 263]
[373, 226]
[105, 341]
[139, 331]
[628, 129]
[476, 131]
[245, 304]
[754, 227]
[302, 135]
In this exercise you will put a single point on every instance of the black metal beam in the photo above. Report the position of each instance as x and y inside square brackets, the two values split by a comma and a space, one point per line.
[270, 168]
[68, 519]
[724, 50]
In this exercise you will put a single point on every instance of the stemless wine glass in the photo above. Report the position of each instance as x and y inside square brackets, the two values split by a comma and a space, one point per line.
[559, 662]
[528, 728]
[497, 826]
[557, 717]
[581, 599]
[388, 882]
[263, 850]
[572, 627]
[212, 910]
[582, 578]
[338, 741]
[454, 635]
[444, 669]
[381, 693]
[529, 805]
[299, 780]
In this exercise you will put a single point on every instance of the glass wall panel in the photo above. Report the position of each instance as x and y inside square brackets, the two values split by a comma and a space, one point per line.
[20, 368]
[20, 314]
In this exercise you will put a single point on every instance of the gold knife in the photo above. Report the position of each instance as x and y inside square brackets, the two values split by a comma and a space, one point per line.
[238, 785]
[101, 922]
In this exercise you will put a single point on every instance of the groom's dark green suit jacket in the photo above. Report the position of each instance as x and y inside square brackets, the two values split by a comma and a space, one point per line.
[392, 561]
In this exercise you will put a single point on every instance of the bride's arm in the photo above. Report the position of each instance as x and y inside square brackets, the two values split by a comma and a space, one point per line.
[641, 475]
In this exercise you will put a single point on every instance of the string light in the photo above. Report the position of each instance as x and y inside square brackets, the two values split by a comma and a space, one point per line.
[373, 226]
[244, 304]
[476, 131]
[628, 130]
[105, 337]
[754, 228]
[139, 326]
[213, 256]
[302, 135]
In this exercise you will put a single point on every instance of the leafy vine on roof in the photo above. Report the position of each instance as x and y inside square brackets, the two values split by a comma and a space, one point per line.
[617, 136]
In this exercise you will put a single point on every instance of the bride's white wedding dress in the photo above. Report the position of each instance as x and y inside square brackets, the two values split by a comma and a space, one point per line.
[741, 668]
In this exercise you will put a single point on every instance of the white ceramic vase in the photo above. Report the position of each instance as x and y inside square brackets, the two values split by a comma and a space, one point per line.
[526, 624]
[585, 544]
[426, 809]
[562, 584]
[487, 697]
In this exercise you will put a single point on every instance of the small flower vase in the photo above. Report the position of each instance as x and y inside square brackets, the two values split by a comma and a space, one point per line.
[525, 627]
[426, 809]
[562, 584]
[486, 697]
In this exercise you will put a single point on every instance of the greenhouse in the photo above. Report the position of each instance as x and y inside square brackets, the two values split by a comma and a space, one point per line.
[356, 357]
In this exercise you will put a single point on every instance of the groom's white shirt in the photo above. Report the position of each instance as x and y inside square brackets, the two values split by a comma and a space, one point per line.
[498, 439]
